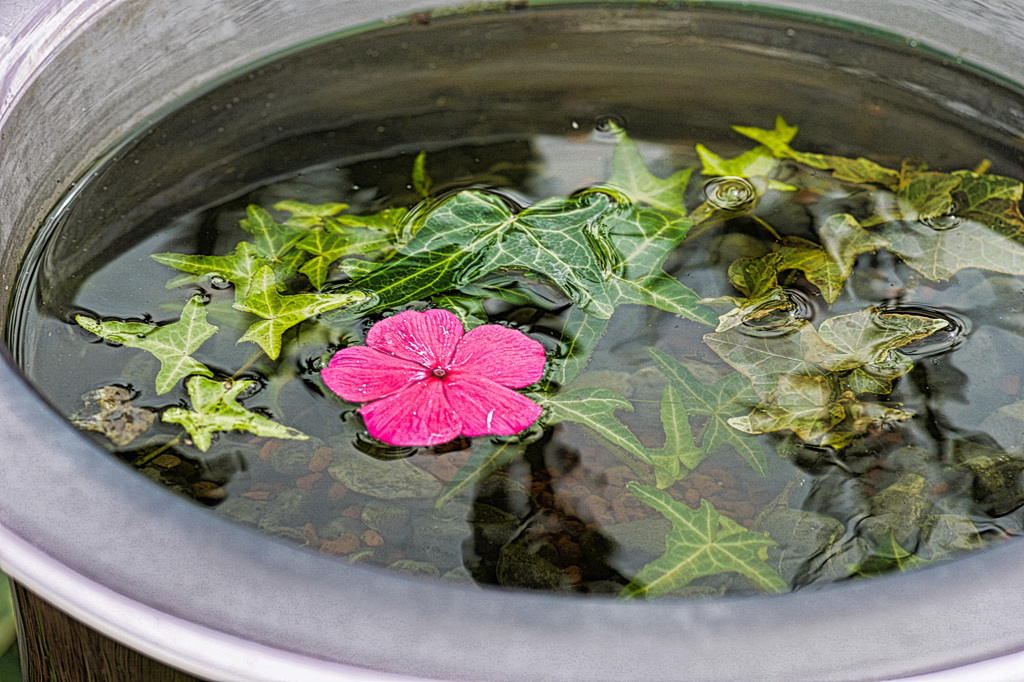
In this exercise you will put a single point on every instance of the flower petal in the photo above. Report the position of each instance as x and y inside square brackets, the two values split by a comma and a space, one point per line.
[487, 408]
[360, 374]
[417, 415]
[428, 338]
[504, 355]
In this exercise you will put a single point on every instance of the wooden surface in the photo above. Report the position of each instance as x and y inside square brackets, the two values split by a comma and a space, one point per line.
[58, 648]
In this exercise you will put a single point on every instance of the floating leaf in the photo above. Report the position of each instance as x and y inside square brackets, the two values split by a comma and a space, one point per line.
[991, 200]
[308, 216]
[474, 233]
[858, 170]
[923, 195]
[421, 180]
[281, 313]
[215, 408]
[938, 254]
[238, 267]
[763, 359]
[327, 247]
[172, 344]
[869, 337]
[759, 162]
[630, 176]
[272, 240]
[728, 397]
[108, 410]
[701, 543]
[805, 405]
[758, 279]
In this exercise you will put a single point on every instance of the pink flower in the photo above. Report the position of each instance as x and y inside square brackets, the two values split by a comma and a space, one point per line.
[427, 381]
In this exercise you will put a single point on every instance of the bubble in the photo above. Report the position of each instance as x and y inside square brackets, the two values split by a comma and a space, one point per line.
[730, 193]
[219, 282]
[943, 222]
[608, 122]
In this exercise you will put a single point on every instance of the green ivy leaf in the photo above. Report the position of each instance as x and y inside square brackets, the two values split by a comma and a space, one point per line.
[328, 247]
[172, 344]
[474, 233]
[991, 200]
[595, 409]
[871, 336]
[421, 180]
[281, 313]
[308, 216]
[701, 543]
[215, 408]
[938, 254]
[238, 267]
[758, 279]
[762, 359]
[630, 176]
[863, 171]
[756, 163]
[805, 405]
[272, 240]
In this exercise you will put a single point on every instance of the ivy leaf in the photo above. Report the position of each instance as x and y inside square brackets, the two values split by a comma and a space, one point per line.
[806, 405]
[172, 344]
[679, 456]
[327, 247]
[863, 171]
[281, 313]
[717, 403]
[595, 409]
[272, 240]
[308, 216]
[215, 407]
[238, 267]
[580, 334]
[701, 543]
[871, 336]
[474, 233]
[758, 162]
[763, 359]
[757, 277]
[940, 252]
[421, 180]
[861, 417]
[991, 200]
[923, 195]
[630, 176]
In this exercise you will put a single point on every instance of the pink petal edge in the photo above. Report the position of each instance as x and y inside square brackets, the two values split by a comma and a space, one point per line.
[428, 338]
[487, 408]
[360, 374]
[507, 356]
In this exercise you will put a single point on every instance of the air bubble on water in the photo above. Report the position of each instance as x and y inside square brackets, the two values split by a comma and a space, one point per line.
[730, 193]
[575, 125]
[943, 222]
[607, 123]
[219, 282]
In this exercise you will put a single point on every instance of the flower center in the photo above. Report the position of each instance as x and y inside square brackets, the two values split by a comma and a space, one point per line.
[439, 372]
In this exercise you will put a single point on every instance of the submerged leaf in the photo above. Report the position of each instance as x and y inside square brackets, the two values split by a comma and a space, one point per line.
[938, 254]
[172, 344]
[728, 397]
[701, 543]
[869, 337]
[215, 408]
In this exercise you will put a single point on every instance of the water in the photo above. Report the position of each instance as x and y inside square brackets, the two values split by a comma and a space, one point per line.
[344, 121]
